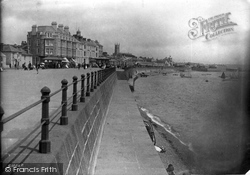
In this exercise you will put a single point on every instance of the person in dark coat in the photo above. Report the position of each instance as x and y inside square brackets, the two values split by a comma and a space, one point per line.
[29, 66]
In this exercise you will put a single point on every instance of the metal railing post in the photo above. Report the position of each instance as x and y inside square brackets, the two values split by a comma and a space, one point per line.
[82, 99]
[64, 118]
[92, 82]
[101, 75]
[1, 130]
[74, 106]
[45, 144]
[108, 71]
[88, 92]
[105, 73]
[95, 84]
[98, 78]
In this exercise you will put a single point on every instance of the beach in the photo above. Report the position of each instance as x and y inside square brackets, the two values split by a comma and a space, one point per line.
[201, 115]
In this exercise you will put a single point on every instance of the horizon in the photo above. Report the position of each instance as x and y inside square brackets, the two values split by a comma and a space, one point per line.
[142, 27]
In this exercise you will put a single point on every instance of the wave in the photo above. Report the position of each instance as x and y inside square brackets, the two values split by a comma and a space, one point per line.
[155, 119]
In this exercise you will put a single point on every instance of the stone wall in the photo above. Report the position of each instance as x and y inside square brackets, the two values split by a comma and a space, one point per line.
[80, 145]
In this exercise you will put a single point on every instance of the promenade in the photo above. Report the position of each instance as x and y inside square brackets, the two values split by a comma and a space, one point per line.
[126, 147]
[21, 88]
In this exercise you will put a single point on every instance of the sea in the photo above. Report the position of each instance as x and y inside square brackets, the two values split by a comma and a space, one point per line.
[202, 114]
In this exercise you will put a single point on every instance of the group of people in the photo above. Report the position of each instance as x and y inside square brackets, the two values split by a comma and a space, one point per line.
[83, 65]
[30, 67]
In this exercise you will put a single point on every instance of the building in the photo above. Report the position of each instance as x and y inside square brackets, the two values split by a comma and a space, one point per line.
[117, 49]
[24, 57]
[91, 49]
[53, 43]
[14, 56]
[24, 46]
[2, 61]
[123, 59]
[100, 48]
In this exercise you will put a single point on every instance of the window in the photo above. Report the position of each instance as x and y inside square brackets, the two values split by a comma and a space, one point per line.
[49, 35]
[48, 43]
[84, 53]
[51, 52]
[47, 51]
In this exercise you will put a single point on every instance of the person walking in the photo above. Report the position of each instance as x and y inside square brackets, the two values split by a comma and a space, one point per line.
[29, 66]
[37, 68]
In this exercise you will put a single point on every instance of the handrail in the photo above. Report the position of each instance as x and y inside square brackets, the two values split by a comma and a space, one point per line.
[93, 80]
[54, 93]
[5, 120]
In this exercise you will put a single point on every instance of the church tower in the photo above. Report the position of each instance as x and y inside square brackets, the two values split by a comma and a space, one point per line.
[117, 49]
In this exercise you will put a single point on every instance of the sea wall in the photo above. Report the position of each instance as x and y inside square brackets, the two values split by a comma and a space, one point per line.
[183, 150]
[75, 145]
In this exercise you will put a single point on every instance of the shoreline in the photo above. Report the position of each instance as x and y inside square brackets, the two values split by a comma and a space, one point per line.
[183, 159]
[165, 137]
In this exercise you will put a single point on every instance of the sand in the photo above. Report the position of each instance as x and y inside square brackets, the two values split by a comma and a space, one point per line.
[205, 113]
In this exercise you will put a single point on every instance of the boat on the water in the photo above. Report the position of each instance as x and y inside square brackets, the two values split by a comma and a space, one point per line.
[212, 66]
[199, 68]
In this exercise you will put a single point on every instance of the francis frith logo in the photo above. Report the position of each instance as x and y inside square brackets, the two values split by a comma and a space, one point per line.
[212, 27]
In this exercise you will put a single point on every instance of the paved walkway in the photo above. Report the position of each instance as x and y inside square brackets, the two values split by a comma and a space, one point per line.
[126, 147]
[20, 89]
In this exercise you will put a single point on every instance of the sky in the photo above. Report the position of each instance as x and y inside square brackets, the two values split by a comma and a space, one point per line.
[150, 28]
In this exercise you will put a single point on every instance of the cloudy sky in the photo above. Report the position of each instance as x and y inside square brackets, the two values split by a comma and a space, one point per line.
[152, 28]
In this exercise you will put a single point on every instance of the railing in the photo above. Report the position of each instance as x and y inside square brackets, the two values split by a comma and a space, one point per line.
[93, 79]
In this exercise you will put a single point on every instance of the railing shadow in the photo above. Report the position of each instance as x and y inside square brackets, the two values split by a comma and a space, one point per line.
[48, 121]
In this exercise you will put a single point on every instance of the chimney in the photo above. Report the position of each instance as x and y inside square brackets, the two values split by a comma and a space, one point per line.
[60, 26]
[34, 30]
[88, 39]
[54, 25]
[78, 33]
[66, 29]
